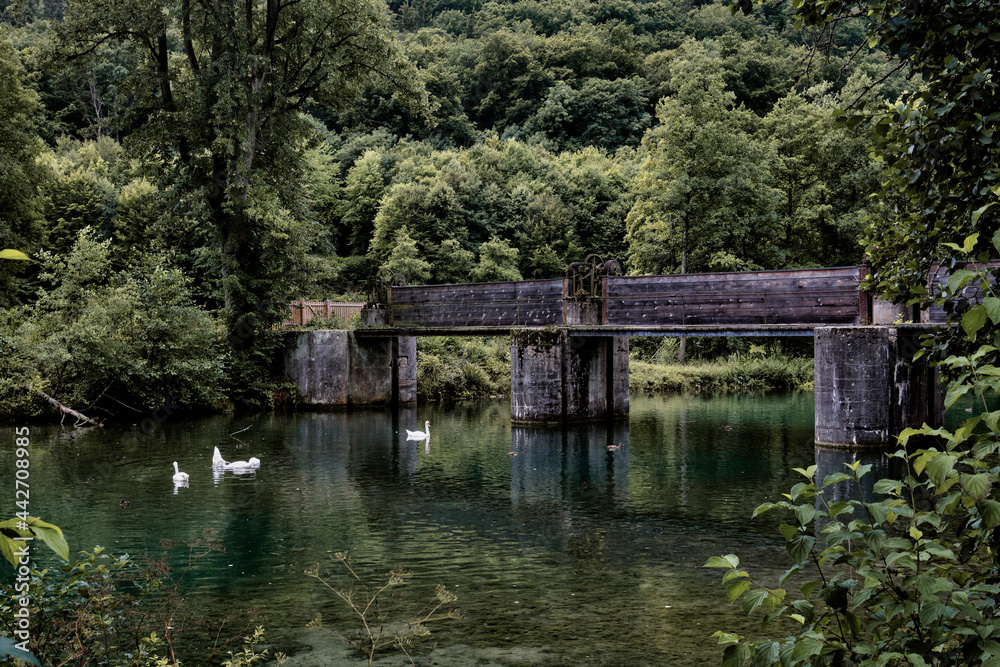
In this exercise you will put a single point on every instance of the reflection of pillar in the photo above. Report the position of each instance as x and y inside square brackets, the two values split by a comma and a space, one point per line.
[868, 386]
[683, 433]
[833, 460]
[557, 377]
[556, 464]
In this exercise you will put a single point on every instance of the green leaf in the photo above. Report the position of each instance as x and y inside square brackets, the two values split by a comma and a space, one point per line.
[901, 559]
[729, 561]
[939, 550]
[753, 599]
[939, 467]
[978, 213]
[992, 419]
[735, 655]
[737, 588]
[805, 514]
[889, 487]
[955, 390]
[930, 586]
[959, 279]
[992, 305]
[51, 535]
[14, 254]
[836, 478]
[8, 647]
[990, 511]
[875, 540]
[973, 321]
[799, 547]
[977, 486]
[972, 239]
[916, 660]
[805, 647]
[765, 654]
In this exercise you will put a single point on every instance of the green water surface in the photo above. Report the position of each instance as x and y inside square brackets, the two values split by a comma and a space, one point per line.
[561, 551]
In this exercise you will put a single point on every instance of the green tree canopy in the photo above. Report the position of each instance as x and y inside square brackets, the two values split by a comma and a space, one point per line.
[20, 173]
[704, 180]
[218, 97]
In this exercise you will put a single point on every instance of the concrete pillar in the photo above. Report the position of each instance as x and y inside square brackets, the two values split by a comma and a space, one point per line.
[317, 361]
[868, 387]
[556, 377]
[335, 369]
[887, 312]
[536, 388]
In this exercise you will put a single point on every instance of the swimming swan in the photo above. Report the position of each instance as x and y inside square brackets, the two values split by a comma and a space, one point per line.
[419, 435]
[219, 463]
[243, 466]
[179, 477]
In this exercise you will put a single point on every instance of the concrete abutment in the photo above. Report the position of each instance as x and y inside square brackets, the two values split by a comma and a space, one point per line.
[869, 387]
[557, 377]
[335, 369]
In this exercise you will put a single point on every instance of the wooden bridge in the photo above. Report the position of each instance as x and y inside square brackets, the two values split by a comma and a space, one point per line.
[569, 341]
[753, 303]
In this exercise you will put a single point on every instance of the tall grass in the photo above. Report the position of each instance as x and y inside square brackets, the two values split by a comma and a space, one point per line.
[459, 368]
[741, 372]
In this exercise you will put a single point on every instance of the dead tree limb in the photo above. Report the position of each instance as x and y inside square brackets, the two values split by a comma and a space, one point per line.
[68, 411]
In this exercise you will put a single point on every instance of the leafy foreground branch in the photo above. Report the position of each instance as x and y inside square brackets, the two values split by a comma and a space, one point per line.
[909, 579]
[373, 606]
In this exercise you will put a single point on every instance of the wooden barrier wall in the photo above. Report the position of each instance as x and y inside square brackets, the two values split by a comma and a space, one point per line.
[935, 314]
[303, 311]
[801, 296]
[513, 304]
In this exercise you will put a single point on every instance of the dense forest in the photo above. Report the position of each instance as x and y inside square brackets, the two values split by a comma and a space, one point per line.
[177, 170]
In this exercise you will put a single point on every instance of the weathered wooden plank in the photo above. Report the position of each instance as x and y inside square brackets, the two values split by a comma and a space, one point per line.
[667, 288]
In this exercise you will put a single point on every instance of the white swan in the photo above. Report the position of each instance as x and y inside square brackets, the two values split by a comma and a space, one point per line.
[419, 435]
[180, 477]
[219, 463]
[244, 466]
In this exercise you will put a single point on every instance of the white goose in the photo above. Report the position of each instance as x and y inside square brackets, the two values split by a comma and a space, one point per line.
[218, 463]
[180, 477]
[419, 435]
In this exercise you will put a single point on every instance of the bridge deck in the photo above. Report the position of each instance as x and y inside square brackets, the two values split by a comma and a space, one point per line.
[592, 330]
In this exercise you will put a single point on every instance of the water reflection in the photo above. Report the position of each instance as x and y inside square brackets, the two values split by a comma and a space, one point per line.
[831, 460]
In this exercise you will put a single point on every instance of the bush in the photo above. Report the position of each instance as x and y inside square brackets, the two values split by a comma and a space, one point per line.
[909, 578]
[135, 336]
[740, 372]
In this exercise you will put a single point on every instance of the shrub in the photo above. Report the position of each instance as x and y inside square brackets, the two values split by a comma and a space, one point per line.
[908, 578]
[135, 335]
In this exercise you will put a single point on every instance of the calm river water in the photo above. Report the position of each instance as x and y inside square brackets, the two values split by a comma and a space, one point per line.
[560, 550]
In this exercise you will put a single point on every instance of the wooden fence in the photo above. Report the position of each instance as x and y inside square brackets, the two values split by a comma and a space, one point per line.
[301, 312]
